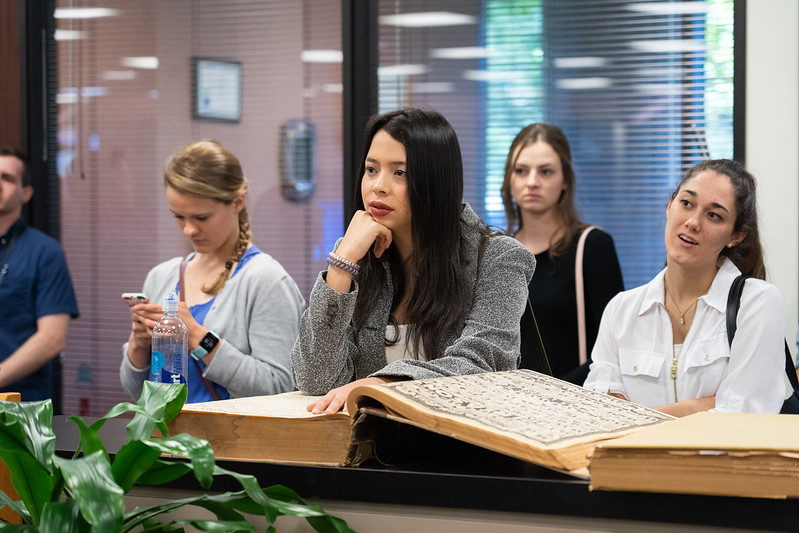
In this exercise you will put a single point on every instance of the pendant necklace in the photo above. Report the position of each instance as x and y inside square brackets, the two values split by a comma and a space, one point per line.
[682, 313]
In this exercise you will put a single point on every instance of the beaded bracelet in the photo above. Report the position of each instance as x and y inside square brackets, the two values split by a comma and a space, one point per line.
[343, 264]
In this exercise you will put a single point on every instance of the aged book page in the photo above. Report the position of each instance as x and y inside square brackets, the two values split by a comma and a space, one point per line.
[520, 413]
[289, 404]
[719, 431]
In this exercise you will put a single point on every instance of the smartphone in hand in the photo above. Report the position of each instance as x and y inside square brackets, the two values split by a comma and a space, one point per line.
[133, 298]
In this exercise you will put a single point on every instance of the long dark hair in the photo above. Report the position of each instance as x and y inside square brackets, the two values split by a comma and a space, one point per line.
[554, 137]
[748, 254]
[435, 191]
[206, 169]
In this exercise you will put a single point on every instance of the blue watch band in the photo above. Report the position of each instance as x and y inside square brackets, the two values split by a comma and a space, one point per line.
[207, 344]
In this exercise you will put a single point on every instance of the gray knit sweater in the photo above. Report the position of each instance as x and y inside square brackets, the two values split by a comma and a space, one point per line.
[328, 354]
[256, 314]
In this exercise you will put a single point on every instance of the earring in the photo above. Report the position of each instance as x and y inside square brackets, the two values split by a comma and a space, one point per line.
[731, 244]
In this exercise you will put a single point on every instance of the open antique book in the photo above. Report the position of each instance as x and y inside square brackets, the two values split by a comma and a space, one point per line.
[725, 454]
[519, 413]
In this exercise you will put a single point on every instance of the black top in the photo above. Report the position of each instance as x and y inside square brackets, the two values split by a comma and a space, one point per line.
[554, 299]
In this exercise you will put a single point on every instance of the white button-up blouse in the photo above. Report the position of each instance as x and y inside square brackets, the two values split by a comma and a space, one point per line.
[634, 348]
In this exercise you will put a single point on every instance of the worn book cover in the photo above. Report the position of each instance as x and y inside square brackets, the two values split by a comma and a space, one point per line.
[520, 413]
[725, 454]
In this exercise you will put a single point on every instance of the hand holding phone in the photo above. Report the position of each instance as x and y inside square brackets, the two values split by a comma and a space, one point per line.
[133, 298]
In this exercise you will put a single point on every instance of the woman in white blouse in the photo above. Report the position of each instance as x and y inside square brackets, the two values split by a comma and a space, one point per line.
[664, 344]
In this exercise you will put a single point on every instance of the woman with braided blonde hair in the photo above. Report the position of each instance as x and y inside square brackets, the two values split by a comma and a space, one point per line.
[241, 308]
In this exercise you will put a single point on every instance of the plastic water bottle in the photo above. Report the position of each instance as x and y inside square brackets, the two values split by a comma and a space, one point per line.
[170, 360]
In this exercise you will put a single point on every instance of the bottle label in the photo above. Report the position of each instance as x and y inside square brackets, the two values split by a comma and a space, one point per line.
[160, 374]
[171, 377]
[157, 362]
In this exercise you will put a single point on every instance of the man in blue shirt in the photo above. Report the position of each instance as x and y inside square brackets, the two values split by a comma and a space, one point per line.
[36, 294]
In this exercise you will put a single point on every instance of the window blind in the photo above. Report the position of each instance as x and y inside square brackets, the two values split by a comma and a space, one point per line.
[643, 90]
[124, 101]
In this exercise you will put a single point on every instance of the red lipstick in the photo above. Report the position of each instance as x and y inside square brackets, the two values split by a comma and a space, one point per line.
[379, 209]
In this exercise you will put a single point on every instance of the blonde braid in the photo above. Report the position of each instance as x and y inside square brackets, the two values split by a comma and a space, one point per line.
[238, 252]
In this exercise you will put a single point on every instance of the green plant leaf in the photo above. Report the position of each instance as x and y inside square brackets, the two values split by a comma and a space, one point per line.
[329, 524]
[290, 503]
[158, 404]
[86, 494]
[219, 504]
[32, 482]
[91, 484]
[90, 440]
[198, 451]
[227, 526]
[252, 488]
[14, 528]
[163, 472]
[63, 517]
[28, 425]
[131, 461]
[15, 505]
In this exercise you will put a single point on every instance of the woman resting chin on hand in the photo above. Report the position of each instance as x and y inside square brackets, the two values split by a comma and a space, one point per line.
[415, 288]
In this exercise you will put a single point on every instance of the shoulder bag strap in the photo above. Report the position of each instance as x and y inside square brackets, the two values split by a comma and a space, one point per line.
[579, 288]
[733, 304]
[208, 386]
[533, 331]
[538, 344]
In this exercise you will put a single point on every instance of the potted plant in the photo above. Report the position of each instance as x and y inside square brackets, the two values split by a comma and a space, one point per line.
[86, 493]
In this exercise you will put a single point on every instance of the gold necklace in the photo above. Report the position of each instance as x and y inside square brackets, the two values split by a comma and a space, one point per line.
[682, 313]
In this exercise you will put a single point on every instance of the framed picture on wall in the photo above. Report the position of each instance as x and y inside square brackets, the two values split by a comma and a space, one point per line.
[216, 89]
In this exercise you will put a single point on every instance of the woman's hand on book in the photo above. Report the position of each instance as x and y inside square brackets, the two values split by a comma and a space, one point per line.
[336, 400]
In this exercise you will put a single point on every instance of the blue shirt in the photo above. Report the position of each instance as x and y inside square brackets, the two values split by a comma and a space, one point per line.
[197, 390]
[36, 284]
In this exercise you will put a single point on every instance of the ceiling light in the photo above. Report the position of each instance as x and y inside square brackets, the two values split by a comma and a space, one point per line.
[84, 13]
[322, 56]
[580, 62]
[669, 45]
[428, 19]
[670, 8]
[145, 62]
[579, 84]
[401, 70]
[67, 97]
[68, 35]
[491, 75]
[463, 52]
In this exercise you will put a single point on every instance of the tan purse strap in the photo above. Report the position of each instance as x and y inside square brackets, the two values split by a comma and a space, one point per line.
[579, 287]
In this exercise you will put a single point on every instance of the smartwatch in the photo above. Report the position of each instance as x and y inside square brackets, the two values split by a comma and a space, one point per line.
[207, 345]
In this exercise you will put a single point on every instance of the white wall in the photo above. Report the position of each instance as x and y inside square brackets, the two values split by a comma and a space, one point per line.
[772, 140]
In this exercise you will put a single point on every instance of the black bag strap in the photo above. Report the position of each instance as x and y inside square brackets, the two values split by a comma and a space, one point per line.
[733, 304]
[534, 333]
[538, 344]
